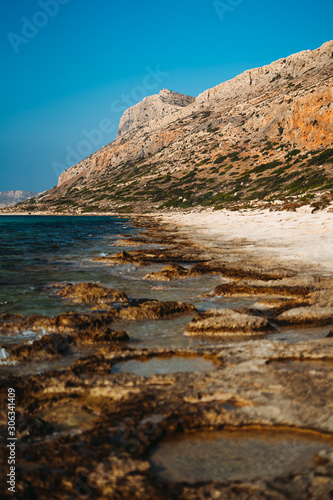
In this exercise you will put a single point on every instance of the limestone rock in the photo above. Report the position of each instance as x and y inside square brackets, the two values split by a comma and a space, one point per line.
[152, 121]
[235, 289]
[168, 273]
[227, 322]
[171, 150]
[92, 294]
[312, 315]
[154, 309]
[152, 108]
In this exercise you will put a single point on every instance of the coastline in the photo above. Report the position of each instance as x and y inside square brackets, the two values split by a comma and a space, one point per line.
[300, 240]
[257, 384]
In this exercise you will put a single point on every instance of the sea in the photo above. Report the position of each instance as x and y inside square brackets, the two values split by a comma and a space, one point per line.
[38, 252]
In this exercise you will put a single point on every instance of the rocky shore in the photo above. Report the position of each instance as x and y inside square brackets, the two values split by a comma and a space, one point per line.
[86, 431]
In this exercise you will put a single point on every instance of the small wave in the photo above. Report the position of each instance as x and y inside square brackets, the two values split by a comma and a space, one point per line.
[3, 355]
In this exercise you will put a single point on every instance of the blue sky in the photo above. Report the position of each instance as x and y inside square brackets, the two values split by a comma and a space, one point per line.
[70, 67]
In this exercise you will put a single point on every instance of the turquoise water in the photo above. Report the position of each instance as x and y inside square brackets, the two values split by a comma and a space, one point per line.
[36, 251]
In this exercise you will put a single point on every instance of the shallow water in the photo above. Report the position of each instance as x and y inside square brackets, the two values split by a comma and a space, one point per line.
[36, 252]
[294, 335]
[163, 366]
[242, 455]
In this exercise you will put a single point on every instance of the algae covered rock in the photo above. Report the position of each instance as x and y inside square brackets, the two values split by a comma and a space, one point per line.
[170, 272]
[92, 294]
[154, 309]
[236, 289]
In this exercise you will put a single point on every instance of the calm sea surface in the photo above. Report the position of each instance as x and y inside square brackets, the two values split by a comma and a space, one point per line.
[38, 252]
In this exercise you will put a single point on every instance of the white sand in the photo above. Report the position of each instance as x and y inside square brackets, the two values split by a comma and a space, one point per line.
[294, 238]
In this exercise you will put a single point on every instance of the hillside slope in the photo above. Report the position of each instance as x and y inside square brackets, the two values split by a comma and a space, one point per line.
[261, 138]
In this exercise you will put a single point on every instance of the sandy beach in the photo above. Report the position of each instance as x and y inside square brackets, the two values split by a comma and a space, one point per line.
[295, 239]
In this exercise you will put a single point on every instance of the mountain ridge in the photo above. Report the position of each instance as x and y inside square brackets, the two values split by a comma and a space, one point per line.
[219, 143]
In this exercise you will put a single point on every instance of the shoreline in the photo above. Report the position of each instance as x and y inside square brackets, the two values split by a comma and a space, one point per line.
[256, 383]
[297, 238]
[302, 241]
[290, 237]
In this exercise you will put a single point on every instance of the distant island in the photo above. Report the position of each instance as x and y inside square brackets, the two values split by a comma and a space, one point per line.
[9, 198]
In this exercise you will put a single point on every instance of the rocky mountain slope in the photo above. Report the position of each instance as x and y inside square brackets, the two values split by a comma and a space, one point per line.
[262, 138]
[8, 198]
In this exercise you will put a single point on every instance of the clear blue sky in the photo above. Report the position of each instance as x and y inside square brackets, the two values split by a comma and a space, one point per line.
[70, 66]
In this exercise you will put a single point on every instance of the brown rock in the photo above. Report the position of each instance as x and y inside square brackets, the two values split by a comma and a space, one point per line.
[275, 306]
[227, 322]
[312, 315]
[92, 294]
[105, 334]
[170, 272]
[70, 322]
[49, 346]
[120, 258]
[155, 310]
[238, 289]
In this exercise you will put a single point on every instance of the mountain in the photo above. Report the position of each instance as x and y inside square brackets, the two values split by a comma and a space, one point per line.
[262, 138]
[9, 198]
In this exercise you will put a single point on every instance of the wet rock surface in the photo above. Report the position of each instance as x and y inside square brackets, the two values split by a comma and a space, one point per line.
[238, 289]
[227, 322]
[92, 293]
[154, 309]
[88, 428]
[85, 432]
[313, 315]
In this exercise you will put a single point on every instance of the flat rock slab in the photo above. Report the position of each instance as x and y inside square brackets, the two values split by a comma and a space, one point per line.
[227, 322]
[301, 316]
[239, 289]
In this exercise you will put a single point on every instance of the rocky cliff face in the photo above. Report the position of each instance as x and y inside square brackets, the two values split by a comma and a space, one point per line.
[254, 135]
[9, 198]
[152, 108]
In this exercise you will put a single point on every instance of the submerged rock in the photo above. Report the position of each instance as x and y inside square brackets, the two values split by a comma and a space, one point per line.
[56, 345]
[70, 322]
[227, 322]
[120, 258]
[170, 272]
[95, 325]
[49, 346]
[92, 294]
